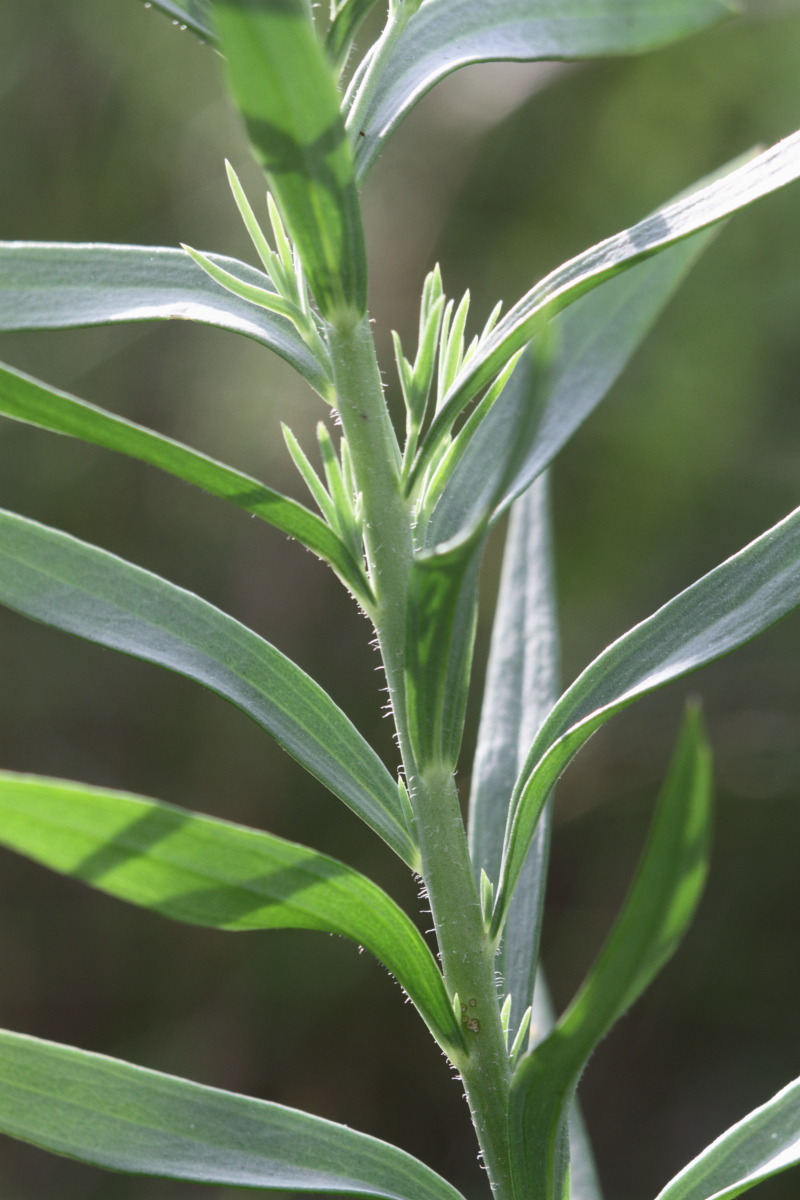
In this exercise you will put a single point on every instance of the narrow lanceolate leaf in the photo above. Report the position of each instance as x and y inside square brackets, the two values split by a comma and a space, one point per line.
[26, 399]
[81, 589]
[209, 872]
[443, 35]
[726, 608]
[776, 167]
[189, 14]
[284, 87]
[592, 341]
[658, 909]
[440, 634]
[521, 688]
[764, 1143]
[113, 1114]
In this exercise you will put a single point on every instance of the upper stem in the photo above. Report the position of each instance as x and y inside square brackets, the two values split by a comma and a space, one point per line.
[467, 952]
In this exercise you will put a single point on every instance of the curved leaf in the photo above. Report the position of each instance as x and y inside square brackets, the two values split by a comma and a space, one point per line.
[193, 14]
[81, 589]
[210, 872]
[695, 211]
[443, 35]
[726, 608]
[126, 1118]
[659, 907]
[26, 399]
[55, 285]
[764, 1143]
[281, 81]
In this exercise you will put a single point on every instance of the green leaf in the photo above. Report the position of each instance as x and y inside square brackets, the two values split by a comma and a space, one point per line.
[593, 341]
[658, 909]
[443, 35]
[764, 1143]
[440, 634]
[284, 87]
[115, 1115]
[81, 589]
[726, 608]
[343, 28]
[209, 872]
[53, 285]
[521, 688]
[695, 211]
[194, 14]
[26, 399]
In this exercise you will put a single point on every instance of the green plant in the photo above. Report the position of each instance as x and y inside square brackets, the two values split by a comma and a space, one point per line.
[403, 524]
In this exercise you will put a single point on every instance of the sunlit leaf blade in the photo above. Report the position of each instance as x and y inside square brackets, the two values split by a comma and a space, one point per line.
[764, 1143]
[209, 872]
[658, 908]
[593, 340]
[521, 688]
[726, 608]
[344, 27]
[190, 14]
[695, 211]
[81, 589]
[26, 399]
[54, 285]
[443, 35]
[282, 83]
[113, 1114]
[440, 634]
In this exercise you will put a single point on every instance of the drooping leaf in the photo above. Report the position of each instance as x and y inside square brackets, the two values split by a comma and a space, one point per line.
[440, 633]
[81, 589]
[764, 1143]
[592, 342]
[113, 1114]
[726, 608]
[282, 83]
[210, 872]
[655, 915]
[26, 399]
[695, 211]
[192, 14]
[440, 36]
[54, 285]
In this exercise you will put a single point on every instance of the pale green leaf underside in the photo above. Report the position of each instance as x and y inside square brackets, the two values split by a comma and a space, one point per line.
[54, 285]
[726, 608]
[26, 399]
[81, 589]
[656, 913]
[282, 83]
[126, 1118]
[444, 35]
[194, 14]
[764, 1143]
[210, 872]
[775, 168]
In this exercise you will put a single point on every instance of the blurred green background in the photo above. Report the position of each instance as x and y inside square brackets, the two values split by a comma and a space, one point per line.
[113, 127]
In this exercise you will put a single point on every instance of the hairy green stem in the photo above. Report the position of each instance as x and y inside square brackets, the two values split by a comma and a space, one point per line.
[467, 953]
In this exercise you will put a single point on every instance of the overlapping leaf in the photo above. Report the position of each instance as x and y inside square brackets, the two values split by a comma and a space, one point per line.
[282, 83]
[775, 168]
[441, 35]
[764, 1143]
[658, 909]
[55, 285]
[84, 590]
[209, 872]
[726, 608]
[26, 399]
[123, 1117]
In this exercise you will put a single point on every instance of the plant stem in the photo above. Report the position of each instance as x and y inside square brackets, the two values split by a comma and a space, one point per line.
[467, 953]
